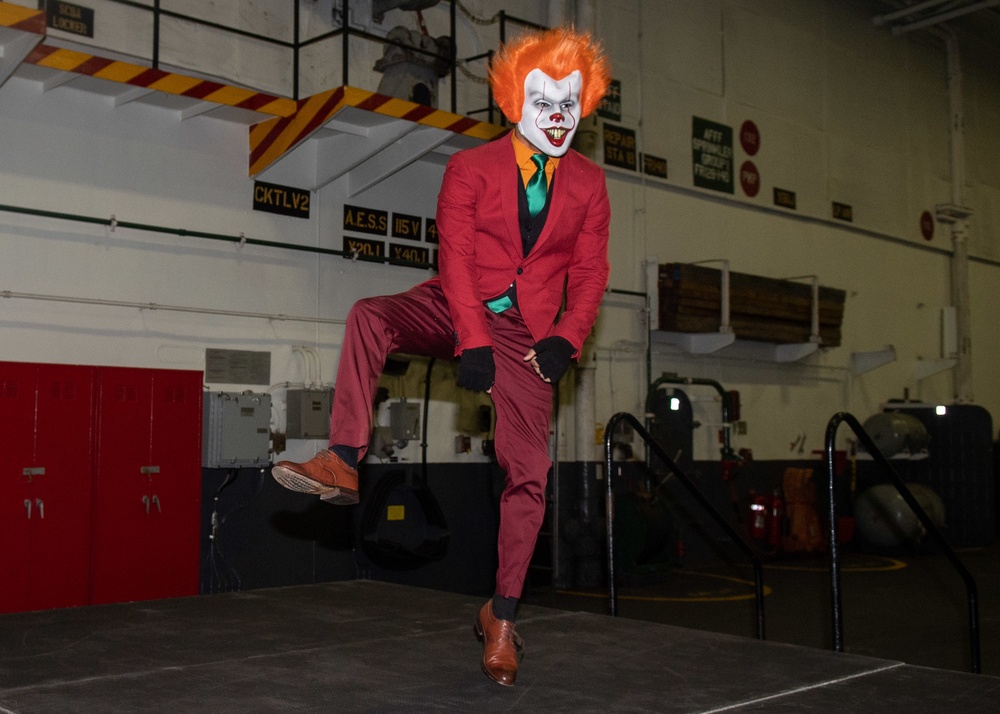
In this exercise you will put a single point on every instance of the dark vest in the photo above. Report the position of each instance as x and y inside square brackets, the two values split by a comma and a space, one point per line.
[531, 228]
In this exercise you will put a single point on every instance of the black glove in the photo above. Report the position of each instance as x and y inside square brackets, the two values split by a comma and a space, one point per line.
[476, 369]
[553, 355]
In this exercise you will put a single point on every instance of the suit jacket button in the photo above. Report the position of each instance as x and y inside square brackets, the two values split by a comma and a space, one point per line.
[520, 270]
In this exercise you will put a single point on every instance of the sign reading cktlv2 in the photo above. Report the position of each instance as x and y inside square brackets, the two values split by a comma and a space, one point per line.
[283, 200]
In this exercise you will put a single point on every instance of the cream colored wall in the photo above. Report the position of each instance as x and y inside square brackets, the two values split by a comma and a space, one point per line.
[846, 111]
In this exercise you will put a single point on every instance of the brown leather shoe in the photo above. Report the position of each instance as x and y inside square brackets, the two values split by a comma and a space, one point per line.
[501, 646]
[325, 475]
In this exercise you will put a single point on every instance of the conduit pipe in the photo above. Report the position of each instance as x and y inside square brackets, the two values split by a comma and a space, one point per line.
[168, 308]
[585, 412]
[958, 216]
[943, 16]
[586, 15]
[113, 223]
[955, 213]
[909, 10]
[556, 13]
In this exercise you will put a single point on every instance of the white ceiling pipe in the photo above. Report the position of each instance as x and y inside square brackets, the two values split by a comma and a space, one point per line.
[944, 16]
[955, 213]
[586, 15]
[880, 20]
[959, 228]
[556, 14]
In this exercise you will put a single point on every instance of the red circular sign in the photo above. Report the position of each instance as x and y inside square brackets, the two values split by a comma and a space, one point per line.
[927, 225]
[750, 138]
[749, 178]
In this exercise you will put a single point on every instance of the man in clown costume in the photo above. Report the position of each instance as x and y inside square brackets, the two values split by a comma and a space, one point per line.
[523, 232]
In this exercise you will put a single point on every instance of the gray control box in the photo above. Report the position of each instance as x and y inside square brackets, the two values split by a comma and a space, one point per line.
[308, 413]
[237, 429]
[404, 419]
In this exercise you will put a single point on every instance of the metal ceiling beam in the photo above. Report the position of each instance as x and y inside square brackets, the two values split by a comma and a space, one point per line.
[397, 156]
[14, 47]
[131, 95]
[340, 155]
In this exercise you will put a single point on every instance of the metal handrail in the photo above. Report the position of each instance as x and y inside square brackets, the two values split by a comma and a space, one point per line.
[932, 530]
[296, 45]
[693, 489]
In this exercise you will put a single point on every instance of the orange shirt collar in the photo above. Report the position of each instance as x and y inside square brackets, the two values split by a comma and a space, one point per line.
[522, 155]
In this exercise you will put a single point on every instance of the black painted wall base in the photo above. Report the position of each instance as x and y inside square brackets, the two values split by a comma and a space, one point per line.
[267, 536]
[256, 534]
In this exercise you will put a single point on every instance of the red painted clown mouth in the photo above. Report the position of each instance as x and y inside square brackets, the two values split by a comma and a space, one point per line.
[557, 135]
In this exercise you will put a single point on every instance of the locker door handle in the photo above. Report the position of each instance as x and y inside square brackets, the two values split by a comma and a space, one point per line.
[33, 471]
[145, 500]
[156, 500]
[41, 507]
[27, 505]
[149, 470]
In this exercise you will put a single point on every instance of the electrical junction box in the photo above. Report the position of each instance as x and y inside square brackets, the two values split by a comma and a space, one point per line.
[404, 420]
[236, 429]
[308, 413]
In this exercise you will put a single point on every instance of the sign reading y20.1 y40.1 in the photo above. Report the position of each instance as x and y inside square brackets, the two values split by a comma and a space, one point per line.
[712, 154]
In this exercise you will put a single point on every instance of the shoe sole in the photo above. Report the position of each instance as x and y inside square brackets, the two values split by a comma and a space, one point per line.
[303, 484]
[340, 497]
[297, 482]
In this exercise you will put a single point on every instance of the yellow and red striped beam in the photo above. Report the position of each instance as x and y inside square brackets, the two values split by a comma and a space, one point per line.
[22, 18]
[270, 139]
[273, 138]
[158, 80]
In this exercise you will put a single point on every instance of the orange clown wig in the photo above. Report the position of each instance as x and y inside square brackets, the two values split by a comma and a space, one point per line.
[558, 53]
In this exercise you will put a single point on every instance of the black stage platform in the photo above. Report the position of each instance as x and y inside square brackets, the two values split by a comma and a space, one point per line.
[365, 646]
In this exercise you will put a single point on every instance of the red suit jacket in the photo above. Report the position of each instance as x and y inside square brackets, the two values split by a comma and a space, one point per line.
[481, 254]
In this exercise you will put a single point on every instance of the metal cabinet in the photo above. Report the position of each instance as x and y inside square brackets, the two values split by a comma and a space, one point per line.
[147, 487]
[100, 483]
[46, 412]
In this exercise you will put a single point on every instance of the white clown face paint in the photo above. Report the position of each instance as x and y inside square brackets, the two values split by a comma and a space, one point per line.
[551, 111]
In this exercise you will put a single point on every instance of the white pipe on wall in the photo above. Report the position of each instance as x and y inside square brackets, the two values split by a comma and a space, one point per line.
[585, 409]
[586, 15]
[556, 14]
[959, 226]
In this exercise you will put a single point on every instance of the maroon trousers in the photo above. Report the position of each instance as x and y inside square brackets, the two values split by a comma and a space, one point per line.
[418, 322]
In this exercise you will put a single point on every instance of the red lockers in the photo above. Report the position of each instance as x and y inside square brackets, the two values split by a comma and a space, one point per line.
[147, 487]
[46, 412]
[100, 473]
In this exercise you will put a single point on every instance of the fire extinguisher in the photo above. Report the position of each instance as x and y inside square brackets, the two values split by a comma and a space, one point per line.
[758, 515]
[775, 520]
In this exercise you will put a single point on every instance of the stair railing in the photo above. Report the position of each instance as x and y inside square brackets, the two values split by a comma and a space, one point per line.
[931, 529]
[693, 489]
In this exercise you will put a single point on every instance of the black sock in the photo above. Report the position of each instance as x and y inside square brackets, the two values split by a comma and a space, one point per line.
[347, 454]
[503, 607]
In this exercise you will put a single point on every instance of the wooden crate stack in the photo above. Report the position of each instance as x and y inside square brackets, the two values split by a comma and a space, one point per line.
[760, 309]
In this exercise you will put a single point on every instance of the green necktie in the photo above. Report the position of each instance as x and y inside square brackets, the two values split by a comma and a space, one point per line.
[537, 187]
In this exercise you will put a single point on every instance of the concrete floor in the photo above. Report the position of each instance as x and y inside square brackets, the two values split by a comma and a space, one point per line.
[910, 608]
[365, 646]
